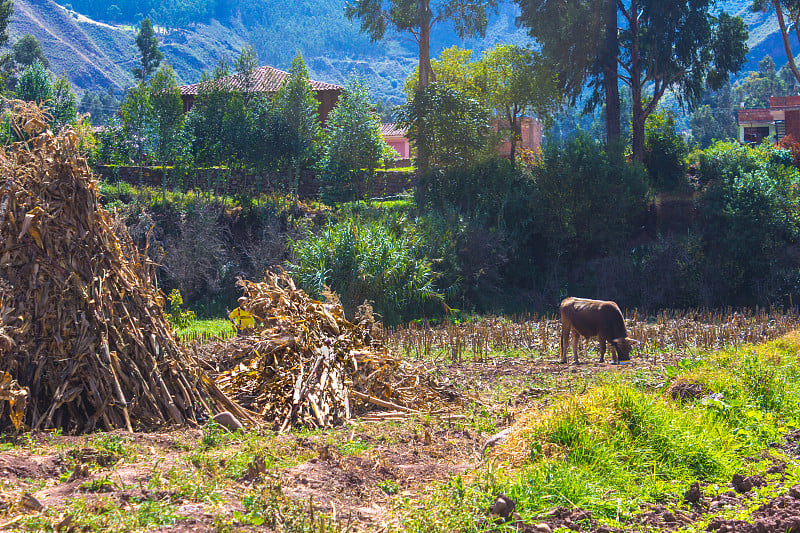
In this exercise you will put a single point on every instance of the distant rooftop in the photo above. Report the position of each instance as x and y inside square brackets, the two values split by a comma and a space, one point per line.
[265, 80]
[393, 130]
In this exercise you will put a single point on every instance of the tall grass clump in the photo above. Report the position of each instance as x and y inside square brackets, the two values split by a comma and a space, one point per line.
[366, 261]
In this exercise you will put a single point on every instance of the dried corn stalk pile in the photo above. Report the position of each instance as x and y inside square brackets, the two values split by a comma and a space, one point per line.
[305, 364]
[83, 328]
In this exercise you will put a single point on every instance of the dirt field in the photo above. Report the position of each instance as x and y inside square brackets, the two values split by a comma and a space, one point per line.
[355, 474]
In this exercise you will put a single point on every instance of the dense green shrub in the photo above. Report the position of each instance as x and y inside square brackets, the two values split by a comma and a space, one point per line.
[447, 127]
[665, 153]
[749, 215]
[491, 191]
[363, 260]
[587, 199]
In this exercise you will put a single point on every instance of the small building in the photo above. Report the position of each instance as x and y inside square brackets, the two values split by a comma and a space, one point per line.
[395, 136]
[531, 135]
[781, 119]
[531, 132]
[268, 80]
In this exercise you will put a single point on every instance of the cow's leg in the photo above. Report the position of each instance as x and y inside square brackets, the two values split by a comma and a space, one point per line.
[575, 339]
[565, 333]
[602, 349]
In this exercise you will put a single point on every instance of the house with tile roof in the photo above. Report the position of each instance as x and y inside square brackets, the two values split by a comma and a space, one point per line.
[395, 136]
[267, 80]
[531, 136]
[781, 119]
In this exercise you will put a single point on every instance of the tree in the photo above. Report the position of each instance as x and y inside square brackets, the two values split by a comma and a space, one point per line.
[590, 59]
[679, 46]
[6, 10]
[138, 122]
[296, 104]
[665, 152]
[148, 47]
[783, 8]
[513, 81]
[756, 89]
[27, 50]
[352, 143]
[63, 107]
[417, 17]
[100, 105]
[448, 127]
[34, 84]
[167, 108]
[453, 67]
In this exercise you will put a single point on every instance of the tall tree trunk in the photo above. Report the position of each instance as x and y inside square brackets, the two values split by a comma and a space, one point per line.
[638, 120]
[426, 74]
[610, 78]
[785, 36]
[425, 77]
[514, 126]
[639, 117]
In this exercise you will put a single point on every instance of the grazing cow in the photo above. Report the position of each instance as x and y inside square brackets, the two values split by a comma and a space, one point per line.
[594, 318]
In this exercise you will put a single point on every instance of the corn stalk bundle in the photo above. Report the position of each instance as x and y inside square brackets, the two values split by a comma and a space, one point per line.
[83, 328]
[305, 364]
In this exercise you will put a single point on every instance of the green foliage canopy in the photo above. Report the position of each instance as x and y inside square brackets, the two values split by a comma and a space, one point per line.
[447, 127]
[62, 105]
[417, 17]
[587, 198]
[151, 56]
[27, 50]
[34, 85]
[352, 145]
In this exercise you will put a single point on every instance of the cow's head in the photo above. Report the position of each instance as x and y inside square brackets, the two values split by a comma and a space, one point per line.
[623, 346]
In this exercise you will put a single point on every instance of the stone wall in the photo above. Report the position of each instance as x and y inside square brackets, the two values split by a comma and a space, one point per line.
[386, 183]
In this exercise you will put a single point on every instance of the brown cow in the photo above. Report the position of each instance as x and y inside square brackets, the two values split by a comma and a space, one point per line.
[594, 318]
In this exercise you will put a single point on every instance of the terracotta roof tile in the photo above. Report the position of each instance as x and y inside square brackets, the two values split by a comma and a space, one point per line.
[784, 102]
[393, 130]
[755, 115]
[265, 80]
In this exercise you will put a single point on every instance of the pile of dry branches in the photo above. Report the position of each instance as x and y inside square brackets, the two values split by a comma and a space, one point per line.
[305, 364]
[82, 326]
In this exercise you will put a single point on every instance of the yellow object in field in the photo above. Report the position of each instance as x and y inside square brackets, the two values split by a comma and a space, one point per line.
[242, 319]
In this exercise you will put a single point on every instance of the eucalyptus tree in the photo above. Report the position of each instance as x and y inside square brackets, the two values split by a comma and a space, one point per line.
[784, 9]
[299, 109]
[352, 146]
[418, 17]
[677, 46]
[147, 43]
[680, 46]
[579, 41]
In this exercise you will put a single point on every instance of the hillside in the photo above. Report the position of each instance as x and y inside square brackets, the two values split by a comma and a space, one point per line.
[98, 55]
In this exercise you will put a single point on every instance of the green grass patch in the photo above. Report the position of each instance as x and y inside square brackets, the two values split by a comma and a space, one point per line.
[624, 444]
[203, 328]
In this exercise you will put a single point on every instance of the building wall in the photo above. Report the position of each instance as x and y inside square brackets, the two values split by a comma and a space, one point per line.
[400, 144]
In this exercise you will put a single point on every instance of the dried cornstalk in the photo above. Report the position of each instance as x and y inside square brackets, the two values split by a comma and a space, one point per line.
[83, 327]
[305, 364]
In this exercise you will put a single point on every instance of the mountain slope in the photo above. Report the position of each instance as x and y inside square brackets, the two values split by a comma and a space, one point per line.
[97, 55]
